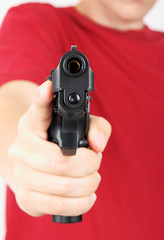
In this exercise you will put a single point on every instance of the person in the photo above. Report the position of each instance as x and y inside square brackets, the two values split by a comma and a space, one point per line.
[127, 58]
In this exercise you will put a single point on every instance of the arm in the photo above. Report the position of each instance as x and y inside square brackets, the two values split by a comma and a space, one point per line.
[15, 98]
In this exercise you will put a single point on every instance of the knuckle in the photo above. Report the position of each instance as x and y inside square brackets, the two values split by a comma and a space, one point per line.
[96, 181]
[58, 206]
[20, 123]
[93, 184]
[65, 187]
[97, 163]
[16, 173]
[34, 213]
[65, 168]
[84, 205]
[11, 150]
[16, 148]
[24, 203]
[71, 207]
[21, 198]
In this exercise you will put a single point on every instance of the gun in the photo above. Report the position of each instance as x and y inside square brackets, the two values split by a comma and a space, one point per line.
[72, 81]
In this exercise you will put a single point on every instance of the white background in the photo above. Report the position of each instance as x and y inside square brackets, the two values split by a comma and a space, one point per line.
[155, 20]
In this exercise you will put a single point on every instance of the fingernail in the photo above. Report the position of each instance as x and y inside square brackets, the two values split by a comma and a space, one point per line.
[98, 176]
[93, 197]
[100, 154]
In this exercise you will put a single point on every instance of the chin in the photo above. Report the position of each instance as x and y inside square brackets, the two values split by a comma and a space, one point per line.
[135, 10]
[129, 9]
[132, 15]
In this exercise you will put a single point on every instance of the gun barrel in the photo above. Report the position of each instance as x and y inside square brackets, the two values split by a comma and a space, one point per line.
[74, 65]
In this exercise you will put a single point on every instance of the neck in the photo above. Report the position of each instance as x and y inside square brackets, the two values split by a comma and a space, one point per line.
[103, 16]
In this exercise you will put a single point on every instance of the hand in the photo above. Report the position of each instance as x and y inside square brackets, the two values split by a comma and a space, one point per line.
[43, 179]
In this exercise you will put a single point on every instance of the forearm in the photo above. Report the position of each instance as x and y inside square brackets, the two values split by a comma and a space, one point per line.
[10, 112]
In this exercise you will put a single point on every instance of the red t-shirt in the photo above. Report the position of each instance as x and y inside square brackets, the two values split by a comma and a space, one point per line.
[129, 93]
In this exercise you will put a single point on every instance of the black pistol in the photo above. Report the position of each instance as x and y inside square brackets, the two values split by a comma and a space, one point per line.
[72, 81]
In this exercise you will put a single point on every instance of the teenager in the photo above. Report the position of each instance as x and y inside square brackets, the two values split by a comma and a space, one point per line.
[127, 58]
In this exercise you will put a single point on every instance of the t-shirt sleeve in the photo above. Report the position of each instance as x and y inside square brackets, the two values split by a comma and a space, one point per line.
[27, 47]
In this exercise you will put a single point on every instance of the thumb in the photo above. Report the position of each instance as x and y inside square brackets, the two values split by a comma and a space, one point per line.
[99, 133]
[39, 115]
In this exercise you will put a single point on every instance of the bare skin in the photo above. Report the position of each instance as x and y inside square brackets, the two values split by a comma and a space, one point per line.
[118, 14]
[42, 179]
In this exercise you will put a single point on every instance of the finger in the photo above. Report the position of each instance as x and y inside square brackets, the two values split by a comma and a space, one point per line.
[37, 204]
[56, 185]
[99, 133]
[40, 113]
[47, 157]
